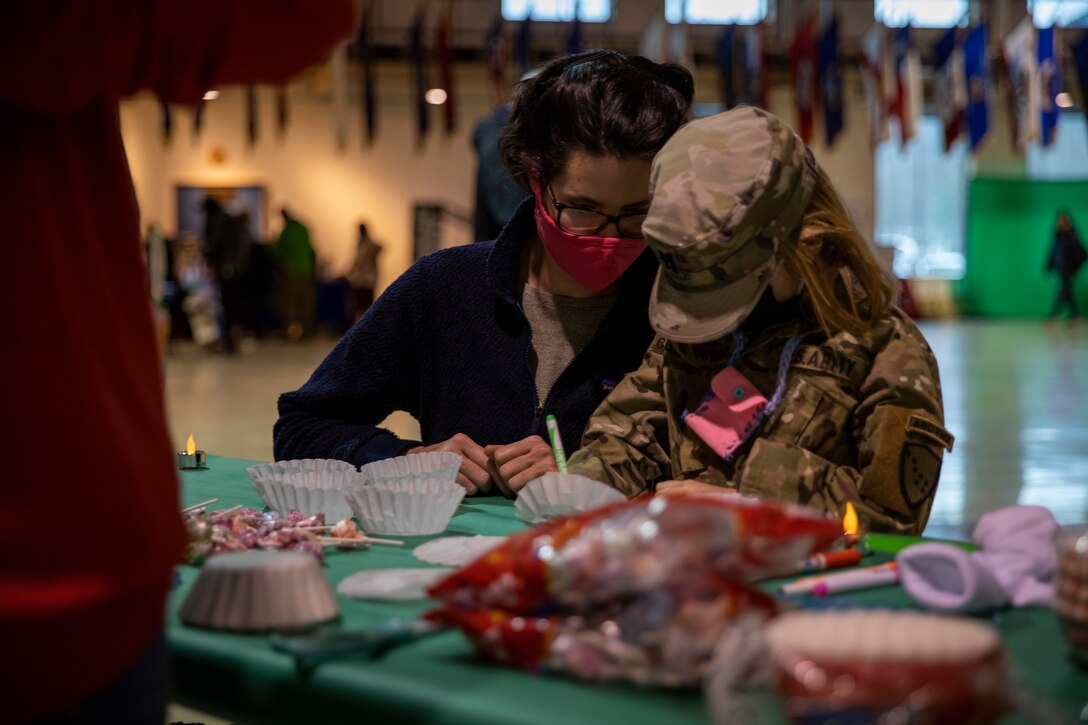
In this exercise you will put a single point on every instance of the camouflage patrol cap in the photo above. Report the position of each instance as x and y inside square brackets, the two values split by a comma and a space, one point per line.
[727, 190]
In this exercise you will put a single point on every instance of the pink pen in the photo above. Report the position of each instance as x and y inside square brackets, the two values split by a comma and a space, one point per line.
[868, 577]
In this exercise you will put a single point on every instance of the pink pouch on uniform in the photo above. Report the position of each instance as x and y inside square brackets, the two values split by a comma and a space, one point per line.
[725, 418]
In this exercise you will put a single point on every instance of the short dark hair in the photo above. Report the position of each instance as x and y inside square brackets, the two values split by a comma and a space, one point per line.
[601, 102]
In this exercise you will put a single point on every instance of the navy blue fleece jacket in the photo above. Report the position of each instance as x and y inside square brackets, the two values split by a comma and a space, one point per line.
[449, 343]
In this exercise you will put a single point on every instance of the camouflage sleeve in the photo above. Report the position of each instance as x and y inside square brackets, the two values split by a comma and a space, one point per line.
[625, 442]
[898, 432]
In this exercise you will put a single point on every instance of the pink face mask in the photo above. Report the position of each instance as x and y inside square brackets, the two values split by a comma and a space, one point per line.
[593, 262]
[728, 414]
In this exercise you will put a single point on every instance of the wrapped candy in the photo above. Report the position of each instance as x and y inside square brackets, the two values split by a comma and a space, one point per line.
[640, 590]
[241, 528]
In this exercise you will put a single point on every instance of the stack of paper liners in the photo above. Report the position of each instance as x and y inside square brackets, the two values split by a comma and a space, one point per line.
[432, 465]
[1071, 597]
[309, 492]
[406, 507]
[859, 665]
[559, 494]
[256, 591]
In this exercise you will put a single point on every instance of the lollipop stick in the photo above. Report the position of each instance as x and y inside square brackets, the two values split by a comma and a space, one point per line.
[202, 504]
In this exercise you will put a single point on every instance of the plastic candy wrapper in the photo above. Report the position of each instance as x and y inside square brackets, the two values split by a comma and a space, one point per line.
[241, 529]
[639, 590]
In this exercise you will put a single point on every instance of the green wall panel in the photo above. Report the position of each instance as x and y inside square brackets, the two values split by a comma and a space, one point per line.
[1010, 227]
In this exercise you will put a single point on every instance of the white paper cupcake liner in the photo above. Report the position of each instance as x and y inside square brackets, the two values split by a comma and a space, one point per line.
[559, 494]
[253, 591]
[276, 468]
[432, 466]
[310, 492]
[407, 508]
[390, 584]
[456, 550]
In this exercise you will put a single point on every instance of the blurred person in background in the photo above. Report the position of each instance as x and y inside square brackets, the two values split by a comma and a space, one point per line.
[480, 342]
[1067, 256]
[81, 617]
[363, 276]
[227, 246]
[297, 262]
[200, 297]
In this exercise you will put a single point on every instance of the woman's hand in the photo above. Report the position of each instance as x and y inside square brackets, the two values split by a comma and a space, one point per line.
[685, 488]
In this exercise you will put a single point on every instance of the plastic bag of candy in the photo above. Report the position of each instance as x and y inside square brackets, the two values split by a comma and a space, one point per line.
[639, 590]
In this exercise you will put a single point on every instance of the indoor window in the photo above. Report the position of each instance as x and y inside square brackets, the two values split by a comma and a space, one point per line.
[921, 13]
[589, 11]
[1065, 13]
[921, 203]
[719, 12]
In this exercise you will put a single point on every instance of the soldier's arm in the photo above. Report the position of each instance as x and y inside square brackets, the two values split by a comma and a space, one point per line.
[625, 442]
[900, 439]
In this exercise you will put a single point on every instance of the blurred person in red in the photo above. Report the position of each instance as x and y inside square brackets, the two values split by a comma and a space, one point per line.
[89, 522]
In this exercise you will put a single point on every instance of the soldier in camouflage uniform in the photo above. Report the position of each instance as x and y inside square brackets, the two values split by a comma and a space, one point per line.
[780, 368]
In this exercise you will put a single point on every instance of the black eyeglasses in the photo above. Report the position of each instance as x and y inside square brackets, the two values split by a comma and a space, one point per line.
[586, 222]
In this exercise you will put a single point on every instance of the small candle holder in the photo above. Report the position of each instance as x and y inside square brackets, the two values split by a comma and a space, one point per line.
[192, 461]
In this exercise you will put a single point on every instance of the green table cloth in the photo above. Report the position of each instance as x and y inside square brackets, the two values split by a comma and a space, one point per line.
[439, 679]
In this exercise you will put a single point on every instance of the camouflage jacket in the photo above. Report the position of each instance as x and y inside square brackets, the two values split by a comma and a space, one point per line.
[861, 420]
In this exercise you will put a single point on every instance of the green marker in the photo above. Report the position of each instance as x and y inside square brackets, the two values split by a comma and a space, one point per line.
[557, 443]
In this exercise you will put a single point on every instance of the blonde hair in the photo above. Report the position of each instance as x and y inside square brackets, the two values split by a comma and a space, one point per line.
[845, 287]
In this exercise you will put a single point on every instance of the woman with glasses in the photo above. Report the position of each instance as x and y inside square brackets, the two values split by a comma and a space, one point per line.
[481, 342]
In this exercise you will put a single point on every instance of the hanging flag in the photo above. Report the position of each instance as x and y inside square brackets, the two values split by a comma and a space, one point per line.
[444, 55]
[803, 61]
[198, 118]
[575, 42]
[251, 115]
[365, 49]
[872, 51]
[1080, 61]
[755, 64]
[496, 57]
[652, 43]
[1050, 84]
[418, 54]
[831, 81]
[679, 44]
[727, 66]
[976, 67]
[339, 72]
[663, 43]
[282, 115]
[951, 85]
[167, 123]
[1018, 54]
[523, 47]
[905, 103]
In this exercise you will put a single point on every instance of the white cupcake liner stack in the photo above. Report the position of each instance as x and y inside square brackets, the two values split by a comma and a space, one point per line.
[255, 591]
[560, 494]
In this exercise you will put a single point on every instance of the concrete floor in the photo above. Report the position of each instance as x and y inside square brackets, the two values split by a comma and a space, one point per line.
[1015, 393]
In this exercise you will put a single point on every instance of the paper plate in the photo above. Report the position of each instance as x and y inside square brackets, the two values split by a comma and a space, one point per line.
[406, 507]
[432, 465]
[559, 494]
[254, 591]
[395, 584]
[309, 492]
[456, 550]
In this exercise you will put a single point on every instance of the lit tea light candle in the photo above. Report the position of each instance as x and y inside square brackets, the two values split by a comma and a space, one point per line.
[191, 458]
[850, 527]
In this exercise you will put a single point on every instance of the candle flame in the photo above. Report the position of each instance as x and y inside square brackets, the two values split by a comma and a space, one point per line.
[190, 445]
[850, 520]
